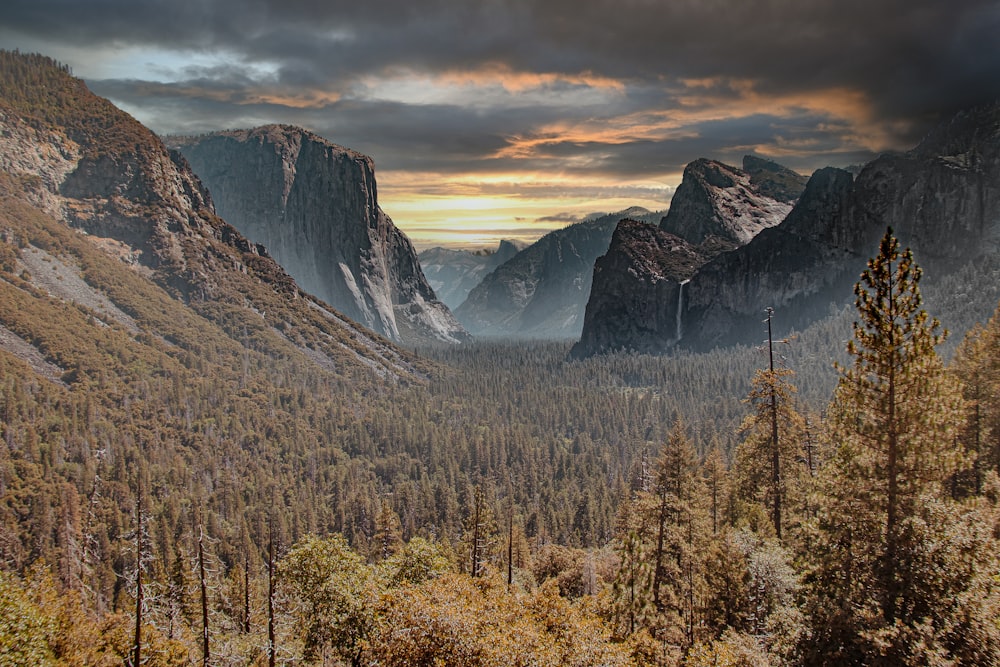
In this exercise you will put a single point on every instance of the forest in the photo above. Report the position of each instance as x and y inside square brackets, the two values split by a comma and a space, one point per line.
[181, 482]
[514, 508]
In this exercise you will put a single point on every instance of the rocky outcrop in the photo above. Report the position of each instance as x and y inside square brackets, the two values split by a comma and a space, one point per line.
[314, 206]
[942, 199]
[454, 273]
[798, 268]
[715, 199]
[542, 291]
[638, 291]
[93, 167]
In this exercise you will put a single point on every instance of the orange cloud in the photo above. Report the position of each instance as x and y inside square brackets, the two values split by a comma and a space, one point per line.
[705, 100]
[312, 99]
[519, 81]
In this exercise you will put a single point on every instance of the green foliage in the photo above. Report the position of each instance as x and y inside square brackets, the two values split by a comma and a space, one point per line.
[417, 561]
[770, 460]
[892, 551]
[339, 592]
[25, 630]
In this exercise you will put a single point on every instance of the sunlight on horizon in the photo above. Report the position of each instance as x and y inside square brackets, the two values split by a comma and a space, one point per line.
[470, 222]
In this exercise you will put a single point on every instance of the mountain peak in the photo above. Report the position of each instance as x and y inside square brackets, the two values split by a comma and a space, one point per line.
[716, 199]
[774, 180]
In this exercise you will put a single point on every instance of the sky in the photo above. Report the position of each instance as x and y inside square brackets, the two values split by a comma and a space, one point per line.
[509, 118]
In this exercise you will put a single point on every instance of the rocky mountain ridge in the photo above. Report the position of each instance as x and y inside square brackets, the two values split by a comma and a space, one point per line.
[454, 273]
[942, 198]
[314, 206]
[542, 292]
[716, 199]
[71, 158]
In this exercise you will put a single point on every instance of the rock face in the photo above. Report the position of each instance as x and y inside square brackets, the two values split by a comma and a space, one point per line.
[942, 199]
[798, 268]
[638, 291]
[542, 292]
[454, 273]
[91, 166]
[314, 206]
[715, 199]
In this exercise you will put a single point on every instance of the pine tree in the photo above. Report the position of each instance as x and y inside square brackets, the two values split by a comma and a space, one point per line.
[679, 527]
[896, 404]
[888, 569]
[977, 366]
[769, 460]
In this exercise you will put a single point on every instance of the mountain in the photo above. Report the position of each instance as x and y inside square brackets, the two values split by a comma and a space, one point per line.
[715, 199]
[942, 199]
[453, 273]
[72, 160]
[314, 206]
[542, 291]
[638, 289]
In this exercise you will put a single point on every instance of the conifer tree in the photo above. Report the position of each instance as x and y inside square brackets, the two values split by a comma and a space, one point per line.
[896, 406]
[977, 366]
[716, 481]
[890, 557]
[678, 528]
[769, 459]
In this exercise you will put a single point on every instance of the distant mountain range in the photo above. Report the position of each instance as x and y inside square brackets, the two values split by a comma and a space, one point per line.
[453, 273]
[942, 199]
[542, 291]
[314, 206]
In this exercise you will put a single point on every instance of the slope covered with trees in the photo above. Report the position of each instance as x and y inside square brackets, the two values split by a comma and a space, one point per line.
[199, 445]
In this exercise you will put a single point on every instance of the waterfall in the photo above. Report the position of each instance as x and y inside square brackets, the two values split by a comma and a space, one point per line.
[680, 303]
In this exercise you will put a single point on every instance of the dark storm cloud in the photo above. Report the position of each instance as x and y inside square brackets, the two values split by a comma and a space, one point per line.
[442, 138]
[792, 141]
[910, 56]
[909, 61]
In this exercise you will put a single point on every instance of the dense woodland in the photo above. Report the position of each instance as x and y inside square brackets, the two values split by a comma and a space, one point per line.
[180, 484]
[514, 507]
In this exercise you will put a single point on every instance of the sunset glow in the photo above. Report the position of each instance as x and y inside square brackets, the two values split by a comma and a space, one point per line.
[508, 120]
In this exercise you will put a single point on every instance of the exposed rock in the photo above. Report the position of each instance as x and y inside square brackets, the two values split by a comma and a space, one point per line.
[314, 206]
[942, 199]
[715, 199]
[638, 291]
[454, 273]
[774, 180]
[798, 268]
[542, 292]
[76, 157]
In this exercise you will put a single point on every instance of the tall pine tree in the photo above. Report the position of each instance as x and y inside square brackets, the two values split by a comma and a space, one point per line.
[892, 555]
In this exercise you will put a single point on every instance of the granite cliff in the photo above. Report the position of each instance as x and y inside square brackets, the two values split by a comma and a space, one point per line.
[639, 287]
[542, 291]
[71, 159]
[942, 199]
[314, 206]
[715, 199]
[454, 273]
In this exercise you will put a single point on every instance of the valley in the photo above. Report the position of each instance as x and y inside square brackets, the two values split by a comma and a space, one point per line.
[203, 460]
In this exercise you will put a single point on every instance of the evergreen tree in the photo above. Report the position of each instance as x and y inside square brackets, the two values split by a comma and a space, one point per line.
[977, 366]
[881, 589]
[769, 460]
[896, 405]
